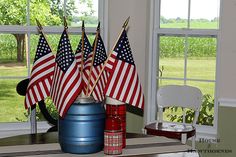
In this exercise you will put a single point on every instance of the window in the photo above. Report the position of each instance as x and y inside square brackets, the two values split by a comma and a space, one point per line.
[18, 41]
[184, 50]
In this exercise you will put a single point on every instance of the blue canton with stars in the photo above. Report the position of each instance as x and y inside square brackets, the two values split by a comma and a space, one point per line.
[100, 52]
[123, 49]
[87, 47]
[42, 49]
[64, 57]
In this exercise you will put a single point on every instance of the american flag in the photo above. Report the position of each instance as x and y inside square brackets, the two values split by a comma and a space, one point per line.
[66, 80]
[41, 74]
[99, 59]
[87, 61]
[123, 83]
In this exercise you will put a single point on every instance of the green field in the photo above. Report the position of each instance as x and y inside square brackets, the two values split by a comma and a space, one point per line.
[193, 25]
[201, 68]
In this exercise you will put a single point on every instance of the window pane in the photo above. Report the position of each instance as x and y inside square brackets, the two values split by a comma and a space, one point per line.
[201, 58]
[205, 87]
[174, 14]
[207, 17]
[12, 55]
[13, 12]
[83, 10]
[12, 107]
[171, 59]
[206, 115]
[49, 13]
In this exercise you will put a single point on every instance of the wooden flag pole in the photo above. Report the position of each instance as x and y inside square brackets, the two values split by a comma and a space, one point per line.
[65, 23]
[82, 51]
[123, 28]
[94, 49]
[40, 29]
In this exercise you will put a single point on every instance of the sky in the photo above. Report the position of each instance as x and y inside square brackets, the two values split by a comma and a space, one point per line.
[82, 8]
[207, 9]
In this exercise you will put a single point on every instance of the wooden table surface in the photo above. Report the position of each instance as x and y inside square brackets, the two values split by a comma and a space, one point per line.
[52, 137]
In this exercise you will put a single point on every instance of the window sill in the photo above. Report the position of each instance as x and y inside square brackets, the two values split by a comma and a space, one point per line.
[20, 128]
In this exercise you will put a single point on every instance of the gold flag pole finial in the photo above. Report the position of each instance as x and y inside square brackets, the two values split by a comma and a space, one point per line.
[65, 23]
[83, 28]
[126, 22]
[98, 27]
[40, 28]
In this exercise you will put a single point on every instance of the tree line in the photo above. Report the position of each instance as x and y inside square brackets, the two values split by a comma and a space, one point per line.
[164, 20]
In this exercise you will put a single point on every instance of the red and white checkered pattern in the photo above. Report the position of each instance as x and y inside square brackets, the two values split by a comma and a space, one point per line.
[112, 142]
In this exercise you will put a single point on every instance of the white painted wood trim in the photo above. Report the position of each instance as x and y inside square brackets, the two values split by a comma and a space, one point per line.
[150, 105]
[20, 128]
[227, 102]
[47, 29]
[103, 16]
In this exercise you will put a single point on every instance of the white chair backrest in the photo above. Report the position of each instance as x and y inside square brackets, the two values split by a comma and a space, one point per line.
[179, 95]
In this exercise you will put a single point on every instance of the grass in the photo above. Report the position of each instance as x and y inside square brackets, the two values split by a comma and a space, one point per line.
[197, 68]
[13, 69]
[11, 104]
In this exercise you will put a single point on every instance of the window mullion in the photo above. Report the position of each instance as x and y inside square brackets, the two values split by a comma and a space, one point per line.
[32, 118]
[28, 37]
[64, 8]
[47, 29]
[195, 32]
[28, 13]
[189, 11]
[186, 45]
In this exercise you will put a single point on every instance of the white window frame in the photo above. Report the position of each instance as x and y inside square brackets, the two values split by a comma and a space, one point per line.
[203, 131]
[31, 125]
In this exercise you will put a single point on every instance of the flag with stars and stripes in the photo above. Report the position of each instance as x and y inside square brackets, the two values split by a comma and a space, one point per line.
[87, 60]
[99, 59]
[66, 84]
[123, 83]
[41, 74]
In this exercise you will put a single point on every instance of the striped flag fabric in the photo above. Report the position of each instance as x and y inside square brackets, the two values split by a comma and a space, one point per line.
[123, 83]
[98, 63]
[88, 55]
[41, 74]
[87, 51]
[66, 84]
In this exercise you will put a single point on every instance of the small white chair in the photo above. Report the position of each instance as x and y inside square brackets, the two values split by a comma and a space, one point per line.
[180, 96]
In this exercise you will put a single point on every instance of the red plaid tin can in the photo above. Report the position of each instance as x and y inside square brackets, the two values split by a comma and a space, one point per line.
[113, 136]
[116, 108]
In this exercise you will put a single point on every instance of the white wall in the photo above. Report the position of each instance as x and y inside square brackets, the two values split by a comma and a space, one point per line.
[118, 11]
[227, 51]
